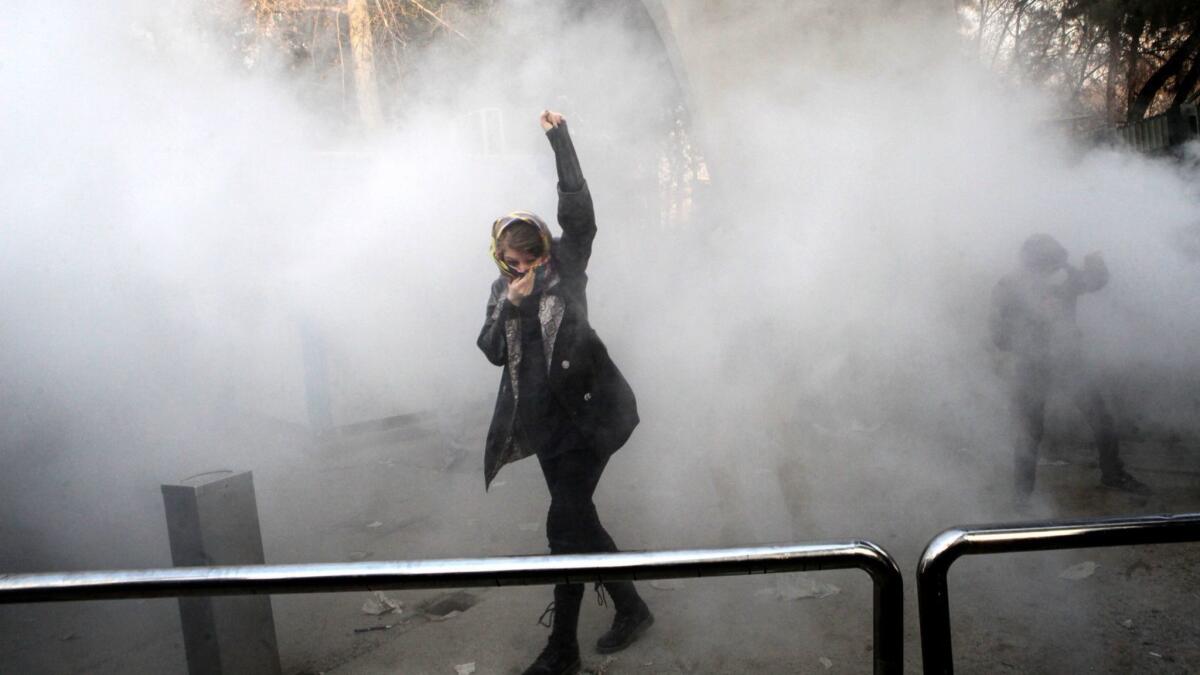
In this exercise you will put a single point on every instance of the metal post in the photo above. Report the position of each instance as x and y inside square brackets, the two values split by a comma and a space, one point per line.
[888, 613]
[932, 593]
[513, 571]
[213, 519]
[316, 378]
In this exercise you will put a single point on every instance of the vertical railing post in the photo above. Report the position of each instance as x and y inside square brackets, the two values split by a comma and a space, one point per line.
[934, 567]
[933, 601]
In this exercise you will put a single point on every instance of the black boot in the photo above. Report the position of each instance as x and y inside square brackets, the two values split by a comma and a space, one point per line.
[633, 618]
[1120, 480]
[556, 659]
[561, 655]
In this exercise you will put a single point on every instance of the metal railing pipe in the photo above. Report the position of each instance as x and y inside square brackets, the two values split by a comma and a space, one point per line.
[932, 594]
[888, 619]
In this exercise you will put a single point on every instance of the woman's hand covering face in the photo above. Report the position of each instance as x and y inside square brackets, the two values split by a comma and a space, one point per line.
[521, 287]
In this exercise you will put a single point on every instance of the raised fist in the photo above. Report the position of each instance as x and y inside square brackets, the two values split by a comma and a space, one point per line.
[550, 119]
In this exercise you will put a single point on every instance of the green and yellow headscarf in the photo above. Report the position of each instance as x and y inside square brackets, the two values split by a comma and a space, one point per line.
[502, 223]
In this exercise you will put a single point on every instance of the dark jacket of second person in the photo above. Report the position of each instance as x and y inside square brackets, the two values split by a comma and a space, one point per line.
[1033, 315]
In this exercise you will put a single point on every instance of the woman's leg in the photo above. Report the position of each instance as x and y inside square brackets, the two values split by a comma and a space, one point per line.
[561, 654]
[573, 526]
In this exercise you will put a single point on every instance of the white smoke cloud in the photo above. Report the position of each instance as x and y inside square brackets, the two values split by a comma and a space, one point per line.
[172, 218]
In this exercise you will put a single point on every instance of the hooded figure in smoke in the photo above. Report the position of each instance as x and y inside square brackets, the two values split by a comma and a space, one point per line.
[1033, 318]
[561, 397]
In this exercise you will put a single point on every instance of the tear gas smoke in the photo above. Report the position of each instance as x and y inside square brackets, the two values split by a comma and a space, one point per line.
[808, 346]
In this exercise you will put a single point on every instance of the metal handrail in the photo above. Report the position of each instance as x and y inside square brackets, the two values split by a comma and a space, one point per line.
[932, 595]
[508, 571]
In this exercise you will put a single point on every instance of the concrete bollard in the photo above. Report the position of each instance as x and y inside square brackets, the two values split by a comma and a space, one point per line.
[212, 519]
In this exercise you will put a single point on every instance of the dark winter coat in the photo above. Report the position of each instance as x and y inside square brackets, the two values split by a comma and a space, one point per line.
[1033, 314]
[581, 376]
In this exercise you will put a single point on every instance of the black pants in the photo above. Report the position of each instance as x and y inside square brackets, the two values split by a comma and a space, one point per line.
[1033, 385]
[573, 526]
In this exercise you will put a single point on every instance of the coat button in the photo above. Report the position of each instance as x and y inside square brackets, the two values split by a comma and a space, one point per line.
[587, 396]
[566, 364]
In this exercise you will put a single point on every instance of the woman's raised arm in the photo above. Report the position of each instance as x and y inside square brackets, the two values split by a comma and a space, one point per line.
[576, 215]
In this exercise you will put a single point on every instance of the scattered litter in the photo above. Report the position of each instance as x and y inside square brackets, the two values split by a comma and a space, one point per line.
[1081, 571]
[1156, 655]
[530, 527]
[379, 604]
[374, 524]
[449, 605]
[1128, 623]
[827, 662]
[67, 637]
[667, 584]
[359, 555]
[602, 667]
[369, 629]
[798, 588]
[500, 483]
[465, 668]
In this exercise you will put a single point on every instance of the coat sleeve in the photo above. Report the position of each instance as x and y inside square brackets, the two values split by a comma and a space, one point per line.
[575, 213]
[492, 341]
[1090, 278]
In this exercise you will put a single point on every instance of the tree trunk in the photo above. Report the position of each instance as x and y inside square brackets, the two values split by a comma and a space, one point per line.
[983, 21]
[1021, 67]
[1132, 61]
[1114, 61]
[362, 46]
[1187, 84]
[1169, 69]
[1000, 40]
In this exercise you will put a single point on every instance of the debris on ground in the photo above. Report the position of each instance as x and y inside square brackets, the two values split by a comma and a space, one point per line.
[797, 588]
[1128, 623]
[359, 555]
[827, 662]
[667, 584]
[369, 629]
[374, 524]
[499, 483]
[465, 668]
[1156, 655]
[448, 605]
[1083, 570]
[600, 668]
[379, 604]
[664, 662]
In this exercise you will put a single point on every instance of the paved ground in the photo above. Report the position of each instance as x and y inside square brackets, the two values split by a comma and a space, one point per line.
[418, 495]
